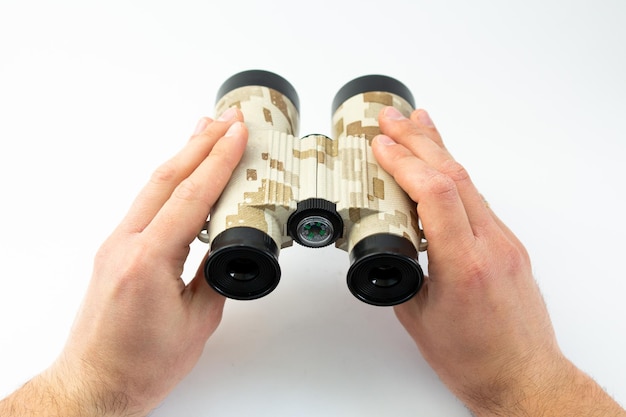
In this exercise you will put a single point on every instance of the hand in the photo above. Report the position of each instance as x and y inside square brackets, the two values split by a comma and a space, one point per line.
[141, 329]
[479, 320]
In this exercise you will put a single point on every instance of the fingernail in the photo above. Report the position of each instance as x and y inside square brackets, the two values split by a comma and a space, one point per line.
[234, 130]
[393, 114]
[202, 124]
[385, 140]
[228, 115]
[425, 119]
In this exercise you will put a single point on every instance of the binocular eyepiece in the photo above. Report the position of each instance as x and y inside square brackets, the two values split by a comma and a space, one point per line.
[314, 190]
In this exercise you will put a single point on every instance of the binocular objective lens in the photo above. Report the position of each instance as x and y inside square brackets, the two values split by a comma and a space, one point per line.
[316, 231]
[385, 276]
[242, 269]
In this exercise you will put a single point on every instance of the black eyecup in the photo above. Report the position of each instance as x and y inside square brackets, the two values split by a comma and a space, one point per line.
[368, 83]
[243, 245]
[384, 252]
[262, 78]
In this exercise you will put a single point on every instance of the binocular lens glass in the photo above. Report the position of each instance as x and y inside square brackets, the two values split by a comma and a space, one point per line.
[384, 270]
[385, 276]
[243, 264]
[339, 191]
[242, 269]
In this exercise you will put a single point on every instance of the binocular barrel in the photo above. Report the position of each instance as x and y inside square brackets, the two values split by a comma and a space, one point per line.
[314, 190]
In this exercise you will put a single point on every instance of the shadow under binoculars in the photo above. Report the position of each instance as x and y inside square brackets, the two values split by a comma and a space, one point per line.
[314, 190]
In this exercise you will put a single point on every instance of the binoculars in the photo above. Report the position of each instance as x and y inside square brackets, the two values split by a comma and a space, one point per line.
[314, 190]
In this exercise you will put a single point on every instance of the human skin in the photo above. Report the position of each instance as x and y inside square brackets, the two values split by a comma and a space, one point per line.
[140, 329]
[479, 320]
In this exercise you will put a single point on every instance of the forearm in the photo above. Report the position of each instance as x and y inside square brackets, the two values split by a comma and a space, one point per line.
[51, 394]
[570, 392]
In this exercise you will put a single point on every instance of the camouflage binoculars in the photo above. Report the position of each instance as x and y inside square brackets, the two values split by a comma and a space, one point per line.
[314, 190]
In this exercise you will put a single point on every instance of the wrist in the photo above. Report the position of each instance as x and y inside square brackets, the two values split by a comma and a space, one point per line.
[64, 392]
[519, 390]
[48, 395]
[555, 388]
[78, 393]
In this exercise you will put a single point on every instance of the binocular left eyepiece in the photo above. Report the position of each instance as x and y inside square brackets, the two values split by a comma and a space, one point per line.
[314, 190]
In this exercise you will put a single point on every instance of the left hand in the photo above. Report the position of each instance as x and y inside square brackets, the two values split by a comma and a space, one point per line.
[141, 329]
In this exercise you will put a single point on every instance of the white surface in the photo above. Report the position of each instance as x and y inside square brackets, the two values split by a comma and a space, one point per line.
[530, 97]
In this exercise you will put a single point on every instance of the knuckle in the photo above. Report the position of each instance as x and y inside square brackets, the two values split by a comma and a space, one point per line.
[135, 263]
[454, 170]
[165, 173]
[478, 271]
[132, 262]
[503, 262]
[441, 185]
[104, 254]
[188, 190]
[193, 192]
[514, 260]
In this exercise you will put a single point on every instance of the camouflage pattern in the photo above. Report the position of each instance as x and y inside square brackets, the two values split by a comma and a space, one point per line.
[371, 201]
[263, 109]
[279, 169]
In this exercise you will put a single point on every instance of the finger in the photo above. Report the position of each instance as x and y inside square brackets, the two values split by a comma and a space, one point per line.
[411, 312]
[167, 177]
[207, 303]
[182, 216]
[419, 135]
[440, 208]
[423, 121]
[508, 233]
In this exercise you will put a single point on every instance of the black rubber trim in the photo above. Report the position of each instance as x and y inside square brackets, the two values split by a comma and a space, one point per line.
[379, 251]
[243, 244]
[315, 207]
[262, 78]
[368, 83]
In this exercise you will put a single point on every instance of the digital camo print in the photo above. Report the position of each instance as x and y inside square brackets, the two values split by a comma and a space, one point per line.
[263, 108]
[370, 201]
[279, 169]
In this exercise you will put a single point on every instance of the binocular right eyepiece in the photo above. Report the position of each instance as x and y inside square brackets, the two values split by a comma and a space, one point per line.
[314, 190]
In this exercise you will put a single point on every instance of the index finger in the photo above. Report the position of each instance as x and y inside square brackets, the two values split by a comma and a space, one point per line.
[439, 205]
[424, 141]
[183, 214]
[169, 175]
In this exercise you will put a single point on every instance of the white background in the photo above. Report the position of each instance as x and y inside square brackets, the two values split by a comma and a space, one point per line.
[529, 95]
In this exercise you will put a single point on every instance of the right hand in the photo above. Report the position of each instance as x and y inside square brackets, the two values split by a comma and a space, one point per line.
[479, 320]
